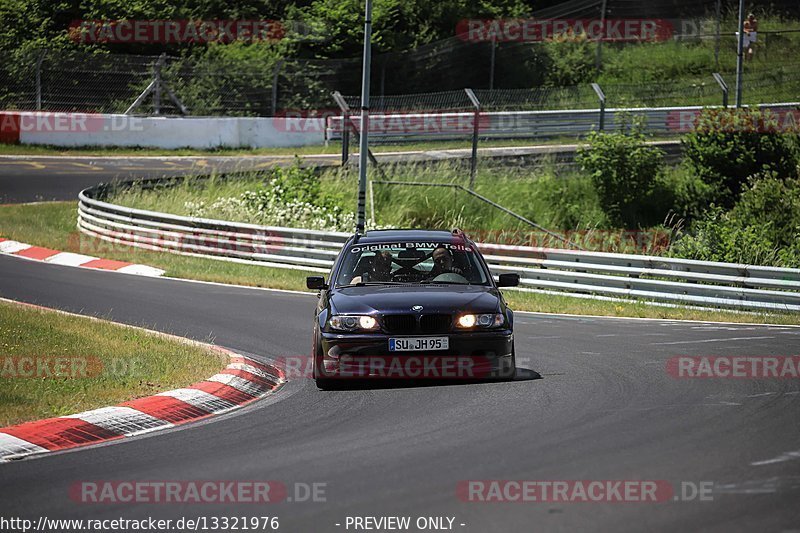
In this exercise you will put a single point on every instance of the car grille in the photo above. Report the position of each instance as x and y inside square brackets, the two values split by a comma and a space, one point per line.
[435, 323]
[407, 324]
[400, 323]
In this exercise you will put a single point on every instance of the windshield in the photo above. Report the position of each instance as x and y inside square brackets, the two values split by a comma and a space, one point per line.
[415, 263]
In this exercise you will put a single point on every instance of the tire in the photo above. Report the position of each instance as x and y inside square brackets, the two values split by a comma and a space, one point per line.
[326, 384]
[321, 382]
[511, 373]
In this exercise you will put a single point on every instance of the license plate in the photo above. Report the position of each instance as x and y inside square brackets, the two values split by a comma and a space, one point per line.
[418, 344]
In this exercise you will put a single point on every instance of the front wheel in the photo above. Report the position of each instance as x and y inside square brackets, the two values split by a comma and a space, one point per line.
[323, 383]
[326, 384]
[509, 372]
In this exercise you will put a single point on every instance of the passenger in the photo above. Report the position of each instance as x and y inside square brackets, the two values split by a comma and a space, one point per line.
[381, 269]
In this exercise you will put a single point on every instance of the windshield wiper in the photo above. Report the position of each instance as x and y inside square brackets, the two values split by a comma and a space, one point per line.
[431, 282]
[366, 283]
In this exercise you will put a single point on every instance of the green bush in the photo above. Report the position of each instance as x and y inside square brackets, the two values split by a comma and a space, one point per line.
[289, 197]
[570, 60]
[628, 177]
[727, 146]
[762, 229]
[567, 203]
[296, 184]
[691, 195]
[773, 204]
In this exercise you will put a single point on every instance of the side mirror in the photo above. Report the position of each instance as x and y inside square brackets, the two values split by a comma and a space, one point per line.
[316, 283]
[508, 280]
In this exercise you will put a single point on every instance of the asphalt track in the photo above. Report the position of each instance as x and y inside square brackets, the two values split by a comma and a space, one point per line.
[45, 178]
[605, 408]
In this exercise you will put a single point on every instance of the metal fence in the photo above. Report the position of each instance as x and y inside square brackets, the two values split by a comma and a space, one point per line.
[600, 275]
[82, 81]
[757, 87]
[409, 127]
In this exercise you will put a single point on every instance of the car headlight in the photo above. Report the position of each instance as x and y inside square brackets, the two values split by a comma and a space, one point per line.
[486, 320]
[353, 323]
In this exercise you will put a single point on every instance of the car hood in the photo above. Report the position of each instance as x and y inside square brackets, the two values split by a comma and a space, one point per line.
[400, 299]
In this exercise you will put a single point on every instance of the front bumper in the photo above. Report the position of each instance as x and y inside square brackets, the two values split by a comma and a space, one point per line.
[471, 355]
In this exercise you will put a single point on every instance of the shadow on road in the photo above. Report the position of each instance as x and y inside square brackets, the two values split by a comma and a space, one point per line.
[522, 374]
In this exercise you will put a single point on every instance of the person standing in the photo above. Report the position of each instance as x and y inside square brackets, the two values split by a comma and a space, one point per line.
[750, 35]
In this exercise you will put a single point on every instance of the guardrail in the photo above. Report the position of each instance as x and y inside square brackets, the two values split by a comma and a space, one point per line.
[661, 279]
[395, 127]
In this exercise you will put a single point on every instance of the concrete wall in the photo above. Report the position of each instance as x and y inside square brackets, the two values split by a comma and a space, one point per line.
[81, 129]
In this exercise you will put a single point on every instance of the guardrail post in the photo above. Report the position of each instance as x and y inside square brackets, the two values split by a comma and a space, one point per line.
[716, 34]
[723, 86]
[493, 50]
[598, 59]
[157, 87]
[39, 60]
[473, 163]
[340, 101]
[740, 55]
[602, 97]
[345, 138]
[275, 73]
[383, 80]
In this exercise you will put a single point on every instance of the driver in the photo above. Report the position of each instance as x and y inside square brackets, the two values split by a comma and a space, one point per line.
[443, 263]
[381, 269]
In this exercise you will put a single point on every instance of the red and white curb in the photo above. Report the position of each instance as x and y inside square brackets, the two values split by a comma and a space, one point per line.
[243, 381]
[37, 253]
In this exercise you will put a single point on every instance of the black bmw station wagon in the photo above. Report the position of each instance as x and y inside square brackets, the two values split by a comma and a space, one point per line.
[412, 304]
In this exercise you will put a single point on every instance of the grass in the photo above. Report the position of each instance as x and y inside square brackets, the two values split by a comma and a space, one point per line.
[108, 364]
[554, 198]
[679, 72]
[53, 225]
[541, 194]
[559, 199]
